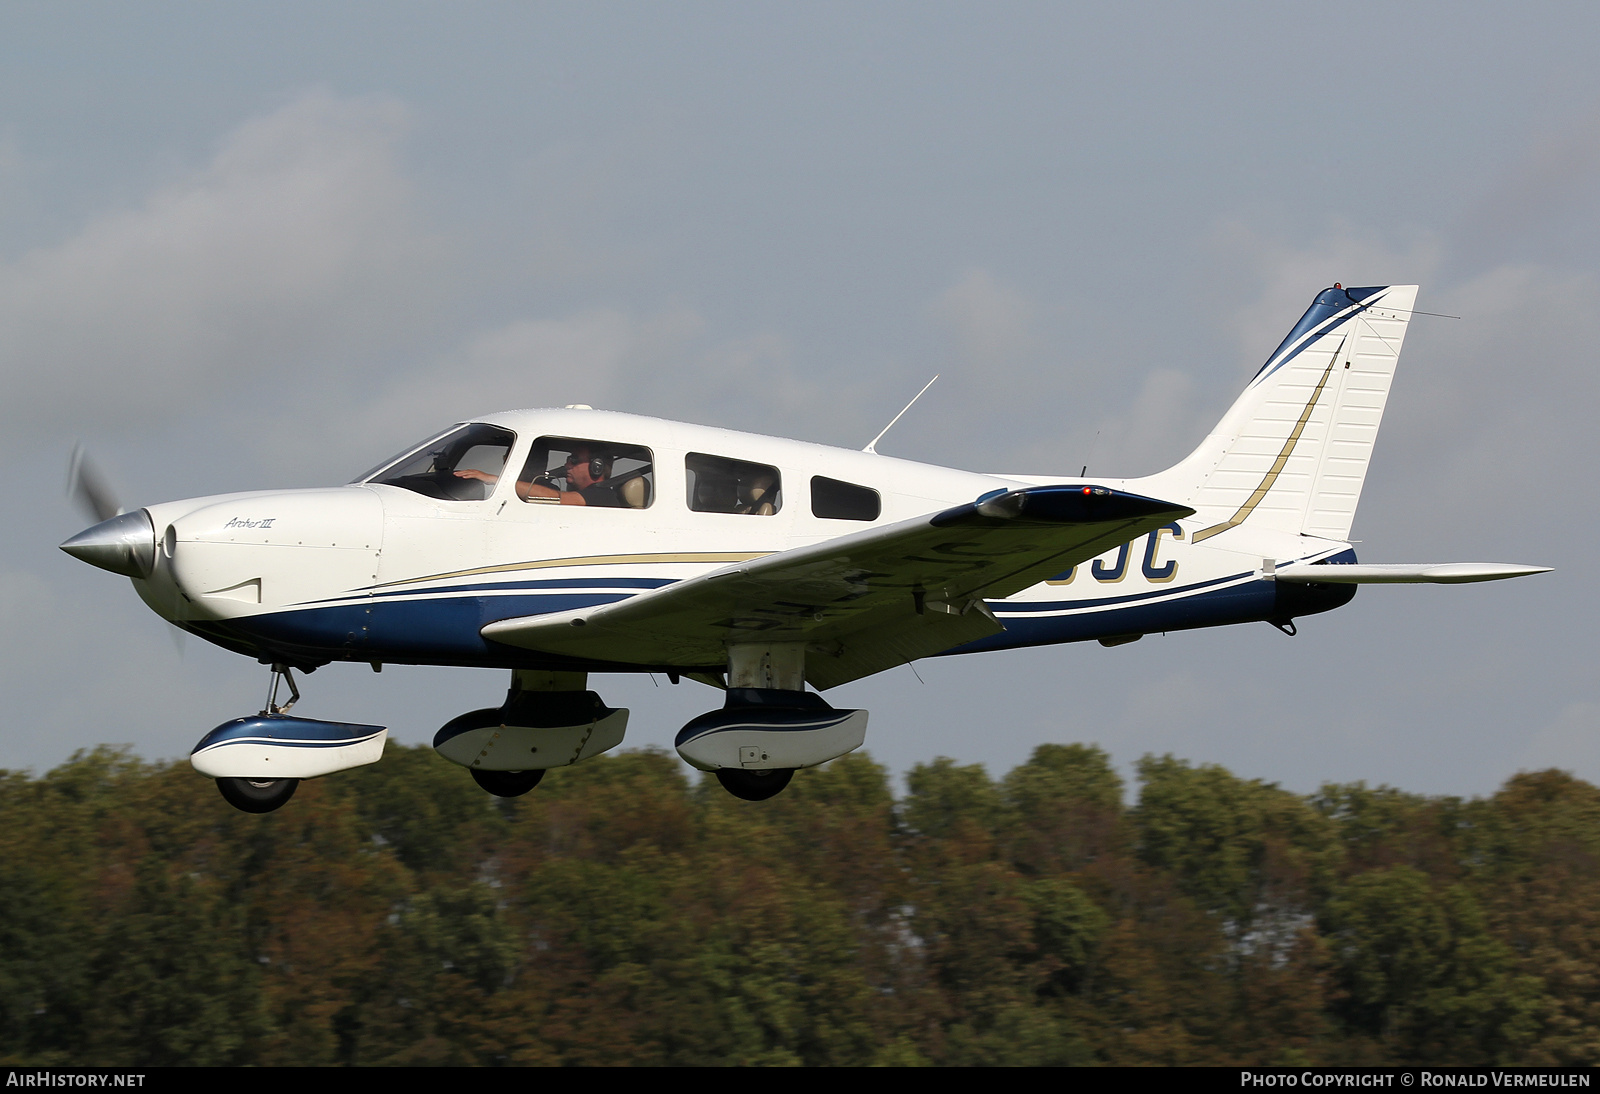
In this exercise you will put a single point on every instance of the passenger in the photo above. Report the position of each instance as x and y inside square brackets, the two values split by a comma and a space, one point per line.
[584, 480]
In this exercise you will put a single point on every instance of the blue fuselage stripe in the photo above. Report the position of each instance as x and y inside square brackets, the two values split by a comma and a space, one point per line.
[1006, 608]
[503, 588]
[445, 630]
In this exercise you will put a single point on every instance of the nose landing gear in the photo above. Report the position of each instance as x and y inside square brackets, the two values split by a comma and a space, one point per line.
[258, 762]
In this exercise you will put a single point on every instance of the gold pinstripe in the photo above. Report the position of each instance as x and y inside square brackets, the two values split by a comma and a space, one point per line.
[1278, 464]
[587, 560]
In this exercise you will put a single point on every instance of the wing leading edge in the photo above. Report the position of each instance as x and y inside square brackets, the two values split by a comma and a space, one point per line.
[861, 603]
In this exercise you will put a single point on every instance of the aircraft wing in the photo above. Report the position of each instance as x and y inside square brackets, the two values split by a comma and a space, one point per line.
[864, 602]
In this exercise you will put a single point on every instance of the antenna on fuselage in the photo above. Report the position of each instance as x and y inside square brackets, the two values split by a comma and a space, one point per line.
[872, 445]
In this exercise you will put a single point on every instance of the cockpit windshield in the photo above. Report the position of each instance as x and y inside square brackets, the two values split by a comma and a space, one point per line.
[461, 464]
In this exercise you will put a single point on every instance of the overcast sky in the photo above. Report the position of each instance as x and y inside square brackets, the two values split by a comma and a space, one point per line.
[247, 246]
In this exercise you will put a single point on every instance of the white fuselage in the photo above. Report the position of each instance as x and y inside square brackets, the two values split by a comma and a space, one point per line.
[374, 572]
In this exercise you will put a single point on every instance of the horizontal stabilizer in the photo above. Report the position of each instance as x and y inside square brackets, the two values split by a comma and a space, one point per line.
[1426, 573]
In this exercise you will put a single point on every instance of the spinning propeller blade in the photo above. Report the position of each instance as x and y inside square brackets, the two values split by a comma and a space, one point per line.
[88, 487]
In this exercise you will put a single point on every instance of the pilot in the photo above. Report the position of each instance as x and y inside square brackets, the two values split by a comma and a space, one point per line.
[585, 481]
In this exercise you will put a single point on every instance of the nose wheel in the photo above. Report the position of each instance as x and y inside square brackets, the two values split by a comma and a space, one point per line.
[257, 795]
[264, 795]
[277, 735]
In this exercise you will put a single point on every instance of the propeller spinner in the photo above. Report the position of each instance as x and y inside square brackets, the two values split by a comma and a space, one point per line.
[122, 542]
[124, 545]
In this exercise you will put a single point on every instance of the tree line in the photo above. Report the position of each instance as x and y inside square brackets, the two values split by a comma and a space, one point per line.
[623, 913]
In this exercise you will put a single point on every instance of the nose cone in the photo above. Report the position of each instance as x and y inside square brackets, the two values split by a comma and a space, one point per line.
[124, 545]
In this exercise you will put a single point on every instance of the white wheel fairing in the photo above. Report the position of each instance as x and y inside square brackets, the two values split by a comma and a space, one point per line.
[499, 747]
[269, 747]
[766, 739]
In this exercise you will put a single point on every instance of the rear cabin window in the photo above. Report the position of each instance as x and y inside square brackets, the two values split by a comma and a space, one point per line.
[843, 500]
[720, 485]
[584, 471]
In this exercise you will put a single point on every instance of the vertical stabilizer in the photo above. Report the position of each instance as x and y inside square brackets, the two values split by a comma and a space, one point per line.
[1291, 454]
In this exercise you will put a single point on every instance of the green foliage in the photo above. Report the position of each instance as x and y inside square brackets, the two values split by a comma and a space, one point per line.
[170, 983]
[1378, 827]
[1534, 862]
[1421, 969]
[1067, 929]
[946, 798]
[1237, 847]
[1064, 809]
[622, 914]
[416, 803]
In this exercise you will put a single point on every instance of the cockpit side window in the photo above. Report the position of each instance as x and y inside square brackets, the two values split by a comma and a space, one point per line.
[462, 464]
[584, 471]
[843, 500]
[718, 484]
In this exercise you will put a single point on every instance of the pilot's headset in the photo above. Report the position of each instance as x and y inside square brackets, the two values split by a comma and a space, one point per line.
[599, 466]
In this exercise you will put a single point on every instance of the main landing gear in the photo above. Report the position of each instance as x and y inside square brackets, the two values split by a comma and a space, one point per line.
[754, 786]
[769, 725]
[258, 762]
[507, 784]
[548, 720]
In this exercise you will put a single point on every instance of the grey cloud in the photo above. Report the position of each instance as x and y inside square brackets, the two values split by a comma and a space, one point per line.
[592, 357]
[1496, 410]
[1541, 205]
[1279, 277]
[1158, 430]
[991, 322]
[658, 363]
[296, 240]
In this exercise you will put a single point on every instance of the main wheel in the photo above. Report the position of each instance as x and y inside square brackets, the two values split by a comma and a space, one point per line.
[507, 784]
[257, 795]
[754, 786]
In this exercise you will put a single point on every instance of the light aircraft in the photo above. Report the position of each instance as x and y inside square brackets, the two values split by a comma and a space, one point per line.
[558, 543]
